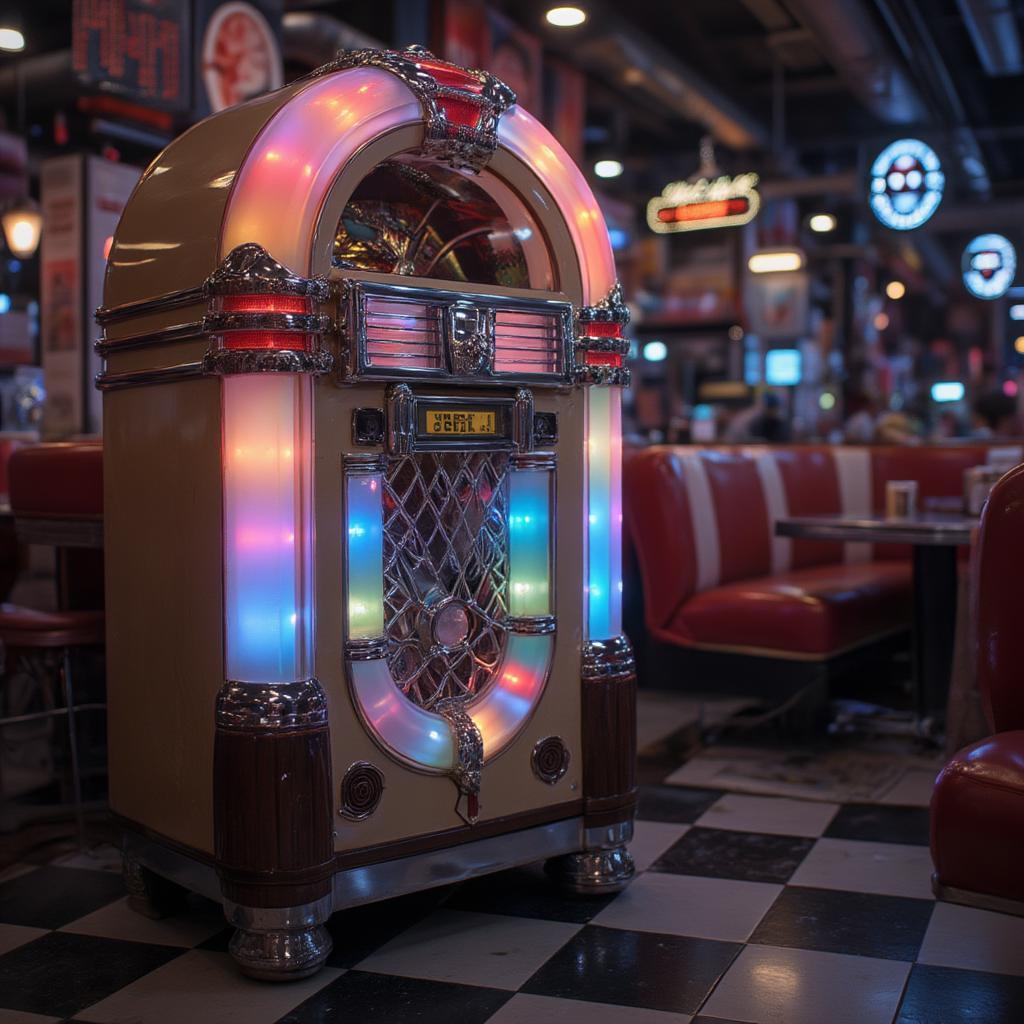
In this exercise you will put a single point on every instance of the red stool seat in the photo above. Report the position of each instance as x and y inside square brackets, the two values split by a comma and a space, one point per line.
[977, 820]
[28, 627]
[57, 480]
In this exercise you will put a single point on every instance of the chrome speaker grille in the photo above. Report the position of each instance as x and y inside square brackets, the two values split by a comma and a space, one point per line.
[445, 536]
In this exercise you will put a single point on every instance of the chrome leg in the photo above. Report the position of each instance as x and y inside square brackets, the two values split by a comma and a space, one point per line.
[76, 768]
[603, 866]
[148, 893]
[280, 943]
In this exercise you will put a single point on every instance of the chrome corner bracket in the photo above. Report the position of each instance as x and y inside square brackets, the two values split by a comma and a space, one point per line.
[271, 705]
[439, 84]
[401, 419]
[611, 310]
[469, 758]
[522, 420]
[224, 362]
[250, 270]
[608, 660]
[362, 789]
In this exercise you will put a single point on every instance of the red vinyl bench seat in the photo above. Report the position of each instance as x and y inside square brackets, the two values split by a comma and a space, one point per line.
[713, 575]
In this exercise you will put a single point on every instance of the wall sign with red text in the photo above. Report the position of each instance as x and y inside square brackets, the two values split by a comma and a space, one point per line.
[697, 205]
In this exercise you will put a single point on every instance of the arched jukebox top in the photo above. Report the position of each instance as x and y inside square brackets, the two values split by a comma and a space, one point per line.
[389, 219]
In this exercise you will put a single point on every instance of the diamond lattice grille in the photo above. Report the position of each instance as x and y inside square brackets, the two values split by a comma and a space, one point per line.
[445, 534]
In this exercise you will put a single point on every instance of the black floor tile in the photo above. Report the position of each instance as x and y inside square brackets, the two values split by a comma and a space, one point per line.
[946, 995]
[749, 856]
[863, 924]
[677, 804]
[526, 892]
[52, 896]
[362, 996]
[877, 823]
[643, 969]
[60, 973]
[362, 930]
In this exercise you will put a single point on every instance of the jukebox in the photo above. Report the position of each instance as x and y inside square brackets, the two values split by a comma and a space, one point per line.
[363, 367]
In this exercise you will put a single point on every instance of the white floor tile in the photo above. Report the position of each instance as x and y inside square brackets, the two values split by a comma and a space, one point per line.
[119, 921]
[913, 790]
[200, 987]
[527, 1009]
[471, 949]
[977, 940]
[21, 1017]
[14, 935]
[766, 985]
[891, 869]
[651, 839]
[772, 815]
[705, 908]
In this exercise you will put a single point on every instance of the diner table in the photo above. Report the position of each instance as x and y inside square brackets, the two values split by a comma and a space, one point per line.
[934, 538]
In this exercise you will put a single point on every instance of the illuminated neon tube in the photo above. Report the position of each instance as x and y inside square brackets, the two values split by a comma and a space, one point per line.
[365, 555]
[604, 513]
[529, 533]
[268, 601]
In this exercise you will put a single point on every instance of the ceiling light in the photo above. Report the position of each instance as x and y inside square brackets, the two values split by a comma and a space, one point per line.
[895, 290]
[608, 168]
[22, 226]
[822, 223]
[1018, 345]
[566, 17]
[1017, 312]
[775, 262]
[655, 351]
[881, 321]
[12, 40]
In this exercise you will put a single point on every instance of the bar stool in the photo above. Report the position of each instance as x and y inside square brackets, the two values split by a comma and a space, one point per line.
[56, 499]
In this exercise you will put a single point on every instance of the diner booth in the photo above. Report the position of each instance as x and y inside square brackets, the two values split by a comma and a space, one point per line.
[363, 363]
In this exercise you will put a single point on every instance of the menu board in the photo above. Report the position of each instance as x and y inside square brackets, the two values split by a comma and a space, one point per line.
[138, 49]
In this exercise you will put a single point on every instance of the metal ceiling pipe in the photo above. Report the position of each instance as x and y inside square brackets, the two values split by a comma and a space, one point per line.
[314, 39]
[857, 50]
[992, 26]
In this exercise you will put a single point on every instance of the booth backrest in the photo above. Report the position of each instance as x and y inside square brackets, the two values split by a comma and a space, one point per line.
[999, 565]
[701, 517]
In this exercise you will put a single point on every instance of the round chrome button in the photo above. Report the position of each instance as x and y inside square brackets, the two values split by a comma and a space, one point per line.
[451, 624]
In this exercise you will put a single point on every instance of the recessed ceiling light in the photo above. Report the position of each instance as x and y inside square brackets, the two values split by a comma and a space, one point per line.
[11, 39]
[822, 223]
[566, 17]
[895, 290]
[608, 168]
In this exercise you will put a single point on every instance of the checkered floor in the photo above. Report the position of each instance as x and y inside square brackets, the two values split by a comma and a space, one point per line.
[754, 909]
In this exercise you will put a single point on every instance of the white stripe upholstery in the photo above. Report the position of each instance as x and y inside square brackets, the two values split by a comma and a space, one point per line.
[853, 469]
[705, 525]
[775, 501]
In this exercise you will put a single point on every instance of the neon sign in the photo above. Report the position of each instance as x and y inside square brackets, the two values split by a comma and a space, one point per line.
[906, 184]
[708, 203]
[988, 265]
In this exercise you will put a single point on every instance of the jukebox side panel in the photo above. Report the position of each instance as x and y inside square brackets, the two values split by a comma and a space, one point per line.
[418, 798]
[164, 604]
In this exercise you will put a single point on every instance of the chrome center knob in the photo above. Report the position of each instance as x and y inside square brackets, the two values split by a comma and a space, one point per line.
[444, 622]
[451, 624]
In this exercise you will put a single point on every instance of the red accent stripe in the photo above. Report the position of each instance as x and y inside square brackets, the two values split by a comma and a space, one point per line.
[265, 304]
[601, 329]
[602, 359]
[280, 340]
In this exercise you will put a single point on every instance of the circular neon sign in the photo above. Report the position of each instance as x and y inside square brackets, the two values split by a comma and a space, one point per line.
[989, 264]
[906, 184]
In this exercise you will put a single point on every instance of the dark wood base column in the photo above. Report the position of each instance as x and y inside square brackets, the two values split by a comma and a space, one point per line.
[273, 825]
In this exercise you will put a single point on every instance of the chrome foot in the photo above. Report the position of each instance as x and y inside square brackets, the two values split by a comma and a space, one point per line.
[149, 894]
[280, 944]
[593, 872]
